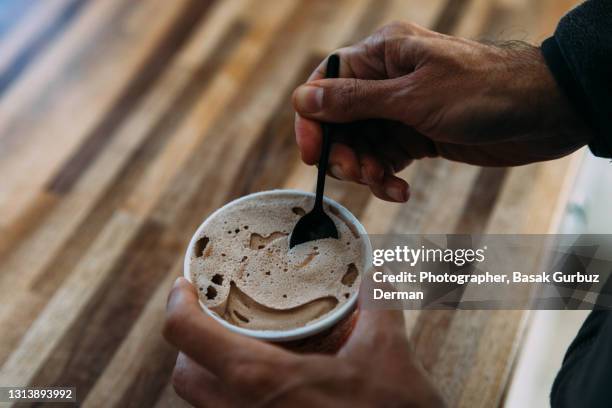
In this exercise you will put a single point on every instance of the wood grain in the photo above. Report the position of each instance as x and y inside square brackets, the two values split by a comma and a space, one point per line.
[145, 76]
[29, 44]
[124, 124]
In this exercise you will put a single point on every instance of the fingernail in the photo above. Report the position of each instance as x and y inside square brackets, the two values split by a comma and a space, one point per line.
[309, 99]
[336, 171]
[395, 193]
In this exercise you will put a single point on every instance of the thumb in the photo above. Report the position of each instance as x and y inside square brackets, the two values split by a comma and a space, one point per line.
[350, 99]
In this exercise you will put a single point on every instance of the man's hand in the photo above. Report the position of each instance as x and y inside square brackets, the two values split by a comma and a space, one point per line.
[407, 93]
[218, 368]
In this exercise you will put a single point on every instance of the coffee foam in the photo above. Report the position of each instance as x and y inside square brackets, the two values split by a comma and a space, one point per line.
[245, 272]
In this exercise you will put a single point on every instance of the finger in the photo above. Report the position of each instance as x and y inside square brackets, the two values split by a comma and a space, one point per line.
[379, 192]
[206, 341]
[392, 189]
[376, 331]
[343, 163]
[392, 156]
[308, 138]
[307, 131]
[350, 99]
[372, 171]
[308, 134]
[396, 188]
[413, 143]
[199, 386]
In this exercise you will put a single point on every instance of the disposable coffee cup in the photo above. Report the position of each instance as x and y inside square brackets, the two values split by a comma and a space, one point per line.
[324, 335]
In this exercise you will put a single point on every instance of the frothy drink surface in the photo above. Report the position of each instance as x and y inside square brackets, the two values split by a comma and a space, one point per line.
[245, 272]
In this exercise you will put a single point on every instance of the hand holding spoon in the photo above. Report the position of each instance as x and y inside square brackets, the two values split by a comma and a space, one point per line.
[317, 224]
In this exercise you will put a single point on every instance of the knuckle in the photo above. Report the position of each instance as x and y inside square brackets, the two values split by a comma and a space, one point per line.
[389, 33]
[262, 375]
[346, 372]
[341, 51]
[257, 376]
[397, 28]
[349, 94]
[375, 42]
[411, 99]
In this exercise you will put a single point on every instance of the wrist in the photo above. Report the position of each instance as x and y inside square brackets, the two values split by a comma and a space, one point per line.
[547, 111]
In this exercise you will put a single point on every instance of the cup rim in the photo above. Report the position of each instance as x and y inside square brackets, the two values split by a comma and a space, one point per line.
[319, 326]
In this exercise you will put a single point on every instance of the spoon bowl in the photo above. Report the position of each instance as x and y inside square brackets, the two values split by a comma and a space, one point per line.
[313, 226]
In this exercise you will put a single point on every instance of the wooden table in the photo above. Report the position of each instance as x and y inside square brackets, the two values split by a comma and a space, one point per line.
[124, 123]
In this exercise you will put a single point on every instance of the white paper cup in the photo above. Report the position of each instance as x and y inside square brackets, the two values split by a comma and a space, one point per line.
[327, 322]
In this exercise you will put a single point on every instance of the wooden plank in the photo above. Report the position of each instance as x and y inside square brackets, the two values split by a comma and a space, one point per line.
[482, 200]
[73, 224]
[450, 17]
[28, 221]
[88, 344]
[50, 370]
[65, 306]
[445, 340]
[49, 144]
[154, 119]
[79, 234]
[429, 329]
[457, 358]
[494, 357]
[422, 12]
[52, 63]
[478, 12]
[33, 36]
[144, 77]
[135, 352]
[29, 28]
[194, 129]
[155, 101]
[276, 140]
[195, 185]
[425, 187]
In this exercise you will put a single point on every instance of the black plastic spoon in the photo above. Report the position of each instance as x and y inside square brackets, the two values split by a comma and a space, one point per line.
[317, 224]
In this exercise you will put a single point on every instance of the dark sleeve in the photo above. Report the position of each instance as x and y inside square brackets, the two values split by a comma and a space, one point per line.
[579, 56]
[585, 378]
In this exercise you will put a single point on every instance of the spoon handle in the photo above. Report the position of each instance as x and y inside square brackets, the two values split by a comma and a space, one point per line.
[332, 71]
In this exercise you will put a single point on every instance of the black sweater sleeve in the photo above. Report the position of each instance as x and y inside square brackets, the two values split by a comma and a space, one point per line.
[585, 378]
[579, 56]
